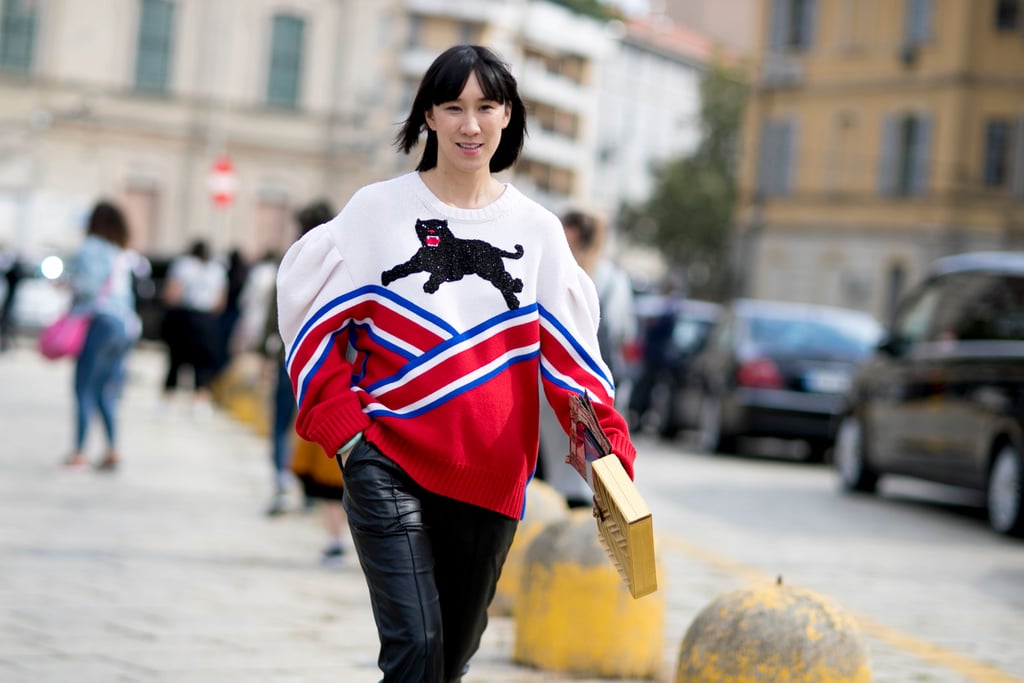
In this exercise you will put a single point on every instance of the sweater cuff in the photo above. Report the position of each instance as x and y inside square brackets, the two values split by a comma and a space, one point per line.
[331, 425]
[625, 450]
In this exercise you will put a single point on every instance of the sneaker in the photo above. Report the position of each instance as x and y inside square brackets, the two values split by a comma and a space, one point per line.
[332, 555]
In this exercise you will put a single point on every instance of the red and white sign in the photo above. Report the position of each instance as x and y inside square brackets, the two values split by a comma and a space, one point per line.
[223, 182]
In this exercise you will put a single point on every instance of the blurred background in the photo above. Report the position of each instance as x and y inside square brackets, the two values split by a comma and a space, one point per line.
[822, 151]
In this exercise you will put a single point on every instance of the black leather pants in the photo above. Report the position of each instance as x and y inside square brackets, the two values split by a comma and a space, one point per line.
[431, 564]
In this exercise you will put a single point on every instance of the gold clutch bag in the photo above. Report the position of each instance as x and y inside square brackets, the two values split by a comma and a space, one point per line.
[624, 521]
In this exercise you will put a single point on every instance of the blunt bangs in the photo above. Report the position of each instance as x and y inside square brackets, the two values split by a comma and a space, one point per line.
[452, 76]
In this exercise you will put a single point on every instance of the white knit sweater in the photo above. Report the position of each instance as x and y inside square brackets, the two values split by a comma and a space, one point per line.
[429, 326]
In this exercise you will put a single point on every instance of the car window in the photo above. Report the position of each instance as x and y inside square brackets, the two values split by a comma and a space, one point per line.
[823, 336]
[917, 315]
[985, 306]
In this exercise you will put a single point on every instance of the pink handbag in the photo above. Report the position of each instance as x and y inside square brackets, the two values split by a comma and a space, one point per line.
[65, 336]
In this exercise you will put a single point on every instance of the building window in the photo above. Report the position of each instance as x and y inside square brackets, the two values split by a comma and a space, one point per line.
[153, 56]
[905, 155]
[792, 25]
[285, 76]
[997, 153]
[17, 35]
[1007, 12]
[1017, 167]
[777, 157]
[917, 27]
[469, 33]
[414, 38]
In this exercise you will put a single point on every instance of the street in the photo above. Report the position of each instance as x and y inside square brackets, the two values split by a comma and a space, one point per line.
[168, 571]
[938, 596]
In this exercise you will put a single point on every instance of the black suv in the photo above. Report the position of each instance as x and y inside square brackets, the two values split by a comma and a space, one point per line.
[943, 396]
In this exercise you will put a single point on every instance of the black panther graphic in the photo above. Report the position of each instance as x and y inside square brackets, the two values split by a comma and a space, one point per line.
[448, 258]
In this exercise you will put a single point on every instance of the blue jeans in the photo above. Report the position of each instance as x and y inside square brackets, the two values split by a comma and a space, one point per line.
[99, 376]
[284, 414]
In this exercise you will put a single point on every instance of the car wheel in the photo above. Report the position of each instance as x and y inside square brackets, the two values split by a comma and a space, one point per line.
[1005, 505]
[710, 437]
[850, 455]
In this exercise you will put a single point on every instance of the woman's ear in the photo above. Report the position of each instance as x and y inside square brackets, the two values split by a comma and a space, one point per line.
[428, 116]
[508, 115]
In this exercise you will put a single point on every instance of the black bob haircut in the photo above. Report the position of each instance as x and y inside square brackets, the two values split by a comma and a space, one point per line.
[444, 81]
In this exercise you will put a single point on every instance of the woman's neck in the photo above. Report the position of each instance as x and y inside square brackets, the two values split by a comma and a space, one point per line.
[460, 191]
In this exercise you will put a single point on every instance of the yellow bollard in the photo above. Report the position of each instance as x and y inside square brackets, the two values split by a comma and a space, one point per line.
[543, 505]
[575, 614]
[243, 390]
[771, 634]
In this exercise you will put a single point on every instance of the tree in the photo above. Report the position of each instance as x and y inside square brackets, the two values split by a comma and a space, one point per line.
[688, 216]
[591, 8]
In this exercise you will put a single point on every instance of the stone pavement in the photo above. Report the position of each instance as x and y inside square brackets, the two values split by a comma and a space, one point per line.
[167, 570]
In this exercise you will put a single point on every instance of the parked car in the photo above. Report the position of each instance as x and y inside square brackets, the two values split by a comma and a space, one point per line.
[40, 298]
[657, 387]
[775, 369]
[943, 396]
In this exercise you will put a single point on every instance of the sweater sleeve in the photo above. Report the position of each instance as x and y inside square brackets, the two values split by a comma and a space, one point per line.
[570, 357]
[310, 281]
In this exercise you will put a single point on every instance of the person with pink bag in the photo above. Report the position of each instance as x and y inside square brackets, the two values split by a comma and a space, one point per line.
[100, 277]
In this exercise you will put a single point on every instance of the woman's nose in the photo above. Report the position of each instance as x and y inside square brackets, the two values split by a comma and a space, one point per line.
[470, 123]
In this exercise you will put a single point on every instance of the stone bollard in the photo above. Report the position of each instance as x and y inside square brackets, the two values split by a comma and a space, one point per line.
[242, 389]
[772, 633]
[543, 505]
[575, 613]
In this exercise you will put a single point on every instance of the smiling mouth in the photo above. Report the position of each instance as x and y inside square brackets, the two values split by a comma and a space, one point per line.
[469, 146]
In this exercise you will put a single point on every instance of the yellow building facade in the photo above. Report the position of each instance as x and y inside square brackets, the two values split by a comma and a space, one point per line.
[880, 134]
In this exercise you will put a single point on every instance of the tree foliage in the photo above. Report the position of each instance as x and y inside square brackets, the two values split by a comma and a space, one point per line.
[591, 8]
[688, 216]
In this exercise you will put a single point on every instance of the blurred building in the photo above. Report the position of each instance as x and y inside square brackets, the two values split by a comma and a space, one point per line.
[135, 99]
[880, 134]
[649, 107]
[729, 23]
[138, 100]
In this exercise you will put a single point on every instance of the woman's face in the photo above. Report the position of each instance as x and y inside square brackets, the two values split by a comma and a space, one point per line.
[468, 129]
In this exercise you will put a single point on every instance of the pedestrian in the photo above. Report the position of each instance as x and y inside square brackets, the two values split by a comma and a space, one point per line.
[100, 278]
[282, 425]
[656, 351]
[195, 294]
[323, 485]
[227, 320]
[418, 324]
[14, 273]
[254, 303]
[618, 327]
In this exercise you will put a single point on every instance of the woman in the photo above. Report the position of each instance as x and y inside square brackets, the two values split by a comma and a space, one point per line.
[195, 295]
[101, 282]
[418, 323]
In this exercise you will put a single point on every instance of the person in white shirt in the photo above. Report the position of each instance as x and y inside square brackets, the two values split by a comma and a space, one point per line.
[194, 294]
